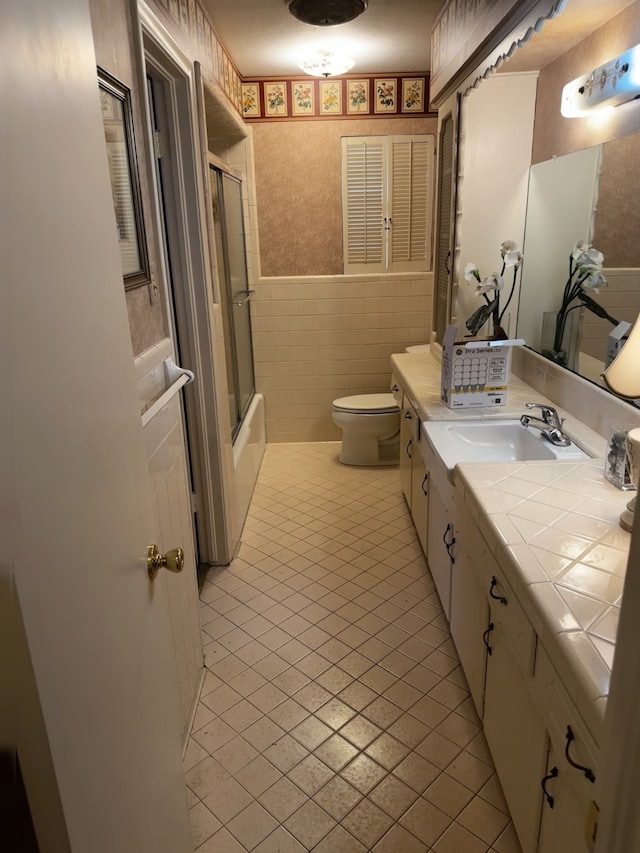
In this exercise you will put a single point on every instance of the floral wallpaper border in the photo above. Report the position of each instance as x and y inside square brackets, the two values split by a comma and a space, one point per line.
[356, 97]
[292, 98]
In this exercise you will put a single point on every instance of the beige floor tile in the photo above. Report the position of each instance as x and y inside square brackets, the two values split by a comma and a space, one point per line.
[336, 752]
[398, 840]
[387, 751]
[425, 821]
[258, 775]
[333, 691]
[203, 824]
[457, 838]
[360, 731]
[448, 795]
[363, 773]
[252, 825]
[282, 799]
[337, 797]
[203, 778]
[227, 799]
[367, 823]
[222, 842]
[416, 772]
[339, 841]
[310, 824]
[483, 820]
[469, 770]
[393, 796]
[311, 774]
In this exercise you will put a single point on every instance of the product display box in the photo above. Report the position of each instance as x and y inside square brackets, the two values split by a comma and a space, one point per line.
[475, 371]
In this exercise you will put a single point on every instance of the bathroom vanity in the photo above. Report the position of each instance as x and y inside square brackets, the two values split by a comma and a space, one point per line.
[528, 559]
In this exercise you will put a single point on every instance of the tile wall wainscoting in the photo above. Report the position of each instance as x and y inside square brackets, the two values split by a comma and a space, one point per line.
[319, 338]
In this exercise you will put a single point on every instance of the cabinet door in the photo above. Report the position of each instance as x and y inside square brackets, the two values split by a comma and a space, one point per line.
[419, 493]
[407, 421]
[516, 736]
[565, 809]
[468, 623]
[440, 544]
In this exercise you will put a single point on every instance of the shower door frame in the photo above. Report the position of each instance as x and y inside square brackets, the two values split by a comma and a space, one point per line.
[228, 297]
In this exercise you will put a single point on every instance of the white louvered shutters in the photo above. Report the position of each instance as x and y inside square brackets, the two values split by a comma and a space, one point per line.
[410, 203]
[364, 162]
[387, 201]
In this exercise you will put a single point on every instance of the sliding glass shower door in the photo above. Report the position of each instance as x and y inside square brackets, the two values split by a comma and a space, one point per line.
[235, 295]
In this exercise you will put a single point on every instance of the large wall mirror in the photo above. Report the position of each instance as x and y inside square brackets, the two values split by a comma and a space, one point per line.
[589, 195]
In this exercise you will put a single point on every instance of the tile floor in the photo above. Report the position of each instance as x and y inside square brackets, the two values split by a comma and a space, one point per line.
[334, 715]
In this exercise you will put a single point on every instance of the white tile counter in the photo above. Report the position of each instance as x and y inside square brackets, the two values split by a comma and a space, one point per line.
[553, 528]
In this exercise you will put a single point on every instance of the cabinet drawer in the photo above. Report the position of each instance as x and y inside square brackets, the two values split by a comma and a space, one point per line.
[506, 610]
[560, 714]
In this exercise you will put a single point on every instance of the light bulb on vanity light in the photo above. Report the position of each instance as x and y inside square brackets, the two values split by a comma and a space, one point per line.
[609, 85]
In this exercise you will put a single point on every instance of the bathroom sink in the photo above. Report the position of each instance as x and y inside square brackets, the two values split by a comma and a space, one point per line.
[493, 441]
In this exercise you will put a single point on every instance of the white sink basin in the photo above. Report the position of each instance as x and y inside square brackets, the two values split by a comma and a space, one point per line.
[493, 441]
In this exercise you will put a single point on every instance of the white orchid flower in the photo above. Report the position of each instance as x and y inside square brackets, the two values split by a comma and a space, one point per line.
[471, 272]
[579, 248]
[591, 259]
[594, 282]
[494, 282]
[511, 254]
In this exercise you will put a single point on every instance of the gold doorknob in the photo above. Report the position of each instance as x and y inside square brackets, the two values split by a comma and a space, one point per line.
[172, 560]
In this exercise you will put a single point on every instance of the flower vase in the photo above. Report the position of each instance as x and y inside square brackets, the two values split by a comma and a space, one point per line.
[568, 353]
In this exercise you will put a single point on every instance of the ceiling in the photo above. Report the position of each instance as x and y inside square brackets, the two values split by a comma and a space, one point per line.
[265, 40]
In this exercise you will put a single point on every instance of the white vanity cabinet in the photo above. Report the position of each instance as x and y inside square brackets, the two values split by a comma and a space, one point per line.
[515, 732]
[469, 617]
[414, 477]
[441, 542]
[570, 778]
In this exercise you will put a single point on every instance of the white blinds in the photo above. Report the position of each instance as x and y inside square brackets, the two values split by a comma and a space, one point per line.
[387, 202]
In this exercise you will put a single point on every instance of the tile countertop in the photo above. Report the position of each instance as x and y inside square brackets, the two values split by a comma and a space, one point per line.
[553, 528]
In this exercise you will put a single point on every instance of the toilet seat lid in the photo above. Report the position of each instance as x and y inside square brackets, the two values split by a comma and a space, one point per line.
[369, 403]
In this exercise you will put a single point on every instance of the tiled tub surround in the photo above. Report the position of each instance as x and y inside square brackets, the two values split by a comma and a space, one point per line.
[319, 338]
[553, 528]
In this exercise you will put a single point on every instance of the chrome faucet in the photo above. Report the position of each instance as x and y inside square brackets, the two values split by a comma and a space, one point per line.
[550, 424]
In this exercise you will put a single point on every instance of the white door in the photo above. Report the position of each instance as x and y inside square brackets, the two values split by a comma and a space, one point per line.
[76, 514]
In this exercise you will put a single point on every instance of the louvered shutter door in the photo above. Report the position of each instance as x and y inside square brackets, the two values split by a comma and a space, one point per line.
[410, 203]
[364, 203]
[443, 260]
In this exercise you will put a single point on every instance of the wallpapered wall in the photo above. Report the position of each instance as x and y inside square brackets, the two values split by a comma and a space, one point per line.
[298, 186]
[113, 40]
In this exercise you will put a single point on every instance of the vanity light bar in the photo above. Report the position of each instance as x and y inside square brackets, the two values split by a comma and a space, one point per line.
[608, 85]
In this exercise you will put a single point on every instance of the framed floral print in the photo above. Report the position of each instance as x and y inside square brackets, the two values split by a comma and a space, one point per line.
[302, 98]
[357, 97]
[330, 97]
[115, 101]
[275, 99]
[413, 95]
[385, 95]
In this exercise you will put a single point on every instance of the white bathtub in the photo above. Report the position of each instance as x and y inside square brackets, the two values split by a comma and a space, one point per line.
[248, 450]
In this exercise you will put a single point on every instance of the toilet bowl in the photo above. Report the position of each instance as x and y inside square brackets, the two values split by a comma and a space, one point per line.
[370, 425]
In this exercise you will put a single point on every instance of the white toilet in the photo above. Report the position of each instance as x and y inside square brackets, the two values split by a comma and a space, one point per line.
[370, 425]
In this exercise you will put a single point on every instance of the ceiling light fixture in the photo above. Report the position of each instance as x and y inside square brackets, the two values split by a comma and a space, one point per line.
[323, 63]
[608, 85]
[326, 13]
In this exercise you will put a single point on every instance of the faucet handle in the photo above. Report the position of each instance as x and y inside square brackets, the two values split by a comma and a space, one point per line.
[549, 414]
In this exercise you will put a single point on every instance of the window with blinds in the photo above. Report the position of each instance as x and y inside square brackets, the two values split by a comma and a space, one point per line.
[387, 191]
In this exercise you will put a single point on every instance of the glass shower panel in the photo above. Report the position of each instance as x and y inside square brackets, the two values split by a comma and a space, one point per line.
[226, 194]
